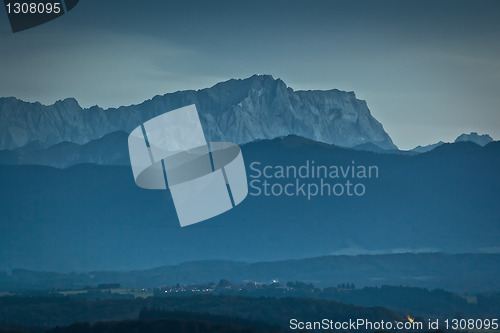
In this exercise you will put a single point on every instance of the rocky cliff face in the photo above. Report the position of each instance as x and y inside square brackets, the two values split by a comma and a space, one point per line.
[239, 111]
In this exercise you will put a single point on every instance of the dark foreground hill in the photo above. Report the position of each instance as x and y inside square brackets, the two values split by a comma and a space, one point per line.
[50, 312]
[161, 326]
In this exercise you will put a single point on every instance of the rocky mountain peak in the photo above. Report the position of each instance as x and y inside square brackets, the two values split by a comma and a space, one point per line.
[238, 110]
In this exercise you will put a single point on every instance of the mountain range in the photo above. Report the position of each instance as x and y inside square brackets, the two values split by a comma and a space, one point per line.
[87, 213]
[239, 111]
[481, 140]
[112, 149]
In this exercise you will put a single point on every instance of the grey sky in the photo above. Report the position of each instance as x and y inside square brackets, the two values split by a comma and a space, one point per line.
[429, 70]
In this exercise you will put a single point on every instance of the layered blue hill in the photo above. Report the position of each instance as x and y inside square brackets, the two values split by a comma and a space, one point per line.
[90, 217]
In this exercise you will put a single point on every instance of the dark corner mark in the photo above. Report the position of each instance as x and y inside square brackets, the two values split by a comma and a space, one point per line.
[27, 14]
